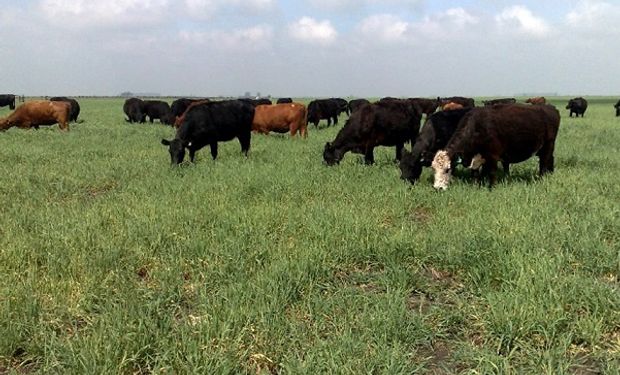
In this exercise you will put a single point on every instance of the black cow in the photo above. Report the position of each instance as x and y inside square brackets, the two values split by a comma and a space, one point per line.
[388, 123]
[357, 103]
[465, 102]
[617, 106]
[134, 109]
[320, 109]
[343, 105]
[7, 99]
[255, 102]
[435, 134]
[510, 133]
[577, 106]
[75, 106]
[428, 106]
[499, 101]
[284, 100]
[210, 123]
[179, 106]
[158, 109]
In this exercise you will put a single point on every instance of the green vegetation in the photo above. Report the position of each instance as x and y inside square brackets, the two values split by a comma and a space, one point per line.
[114, 262]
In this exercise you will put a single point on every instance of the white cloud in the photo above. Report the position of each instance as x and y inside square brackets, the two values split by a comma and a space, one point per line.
[312, 31]
[254, 38]
[595, 16]
[386, 27]
[205, 9]
[520, 19]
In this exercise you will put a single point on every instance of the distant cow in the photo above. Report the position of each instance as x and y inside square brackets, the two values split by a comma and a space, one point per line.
[210, 123]
[388, 123]
[284, 100]
[320, 109]
[537, 100]
[75, 106]
[179, 119]
[158, 110]
[465, 102]
[357, 103]
[452, 106]
[499, 101]
[428, 106]
[134, 109]
[510, 133]
[280, 118]
[38, 112]
[343, 105]
[577, 106]
[435, 134]
[7, 99]
[617, 106]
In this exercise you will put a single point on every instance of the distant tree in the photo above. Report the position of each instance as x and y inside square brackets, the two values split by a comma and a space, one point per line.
[127, 94]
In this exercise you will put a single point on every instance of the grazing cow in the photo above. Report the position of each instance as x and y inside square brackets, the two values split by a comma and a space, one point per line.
[452, 106]
[617, 106]
[537, 100]
[435, 134]
[323, 109]
[387, 123]
[36, 113]
[134, 109]
[343, 105]
[499, 101]
[179, 120]
[210, 123]
[355, 104]
[511, 133]
[158, 109]
[7, 99]
[280, 118]
[577, 106]
[465, 102]
[284, 100]
[75, 106]
[428, 106]
[180, 105]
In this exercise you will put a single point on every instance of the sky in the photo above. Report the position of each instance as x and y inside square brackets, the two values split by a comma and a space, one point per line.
[302, 48]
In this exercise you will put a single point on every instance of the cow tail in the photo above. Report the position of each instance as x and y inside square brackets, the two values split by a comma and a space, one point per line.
[304, 124]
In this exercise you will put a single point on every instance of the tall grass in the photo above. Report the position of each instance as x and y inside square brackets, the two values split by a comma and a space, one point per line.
[114, 262]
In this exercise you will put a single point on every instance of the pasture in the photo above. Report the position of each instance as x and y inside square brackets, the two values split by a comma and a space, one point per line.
[114, 262]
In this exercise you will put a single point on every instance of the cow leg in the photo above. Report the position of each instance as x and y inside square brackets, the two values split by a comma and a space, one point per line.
[545, 159]
[214, 150]
[329, 121]
[293, 129]
[491, 171]
[369, 156]
[244, 140]
[399, 151]
[506, 167]
[304, 131]
[336, 120]
[192, 154]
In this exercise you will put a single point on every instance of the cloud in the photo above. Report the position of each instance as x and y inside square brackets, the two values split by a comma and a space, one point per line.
[520, 19]
[310, 30]
[207, 9]
[595, 16]
[254, 38]
[386, 27]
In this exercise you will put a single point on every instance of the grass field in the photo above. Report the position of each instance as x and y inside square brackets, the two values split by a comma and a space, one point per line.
[114, 262]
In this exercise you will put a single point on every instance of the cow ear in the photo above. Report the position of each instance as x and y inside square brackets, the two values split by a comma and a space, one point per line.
[165, 142]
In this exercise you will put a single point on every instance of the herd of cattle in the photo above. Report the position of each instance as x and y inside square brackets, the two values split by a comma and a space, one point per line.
[502, 130]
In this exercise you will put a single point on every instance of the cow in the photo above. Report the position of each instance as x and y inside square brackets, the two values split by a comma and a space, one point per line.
[134, 109]
[320, 109]
[75, 106]
[343, 105]
[537, 100]
[354, 104]
[36, 113]
[428, 106]
[617, 106]
[179, 119]
[210, 123]
[280, 118]
[158, 109]
[487, 103]
[387, 123]
[179, 106]
[255, 102]
[284, 100]
[577, 106]
[435, 134]
[465, 102]
[452, 106]
[510, 133]
[7, 99]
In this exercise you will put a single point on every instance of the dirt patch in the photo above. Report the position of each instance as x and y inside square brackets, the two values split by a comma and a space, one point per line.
[437, 358]
[421, 215]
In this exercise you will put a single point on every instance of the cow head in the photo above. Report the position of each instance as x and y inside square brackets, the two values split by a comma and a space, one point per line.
[176, 147]
[410, 167]
[5, 123]
[570, 104]
[443, 169]
[331, 155]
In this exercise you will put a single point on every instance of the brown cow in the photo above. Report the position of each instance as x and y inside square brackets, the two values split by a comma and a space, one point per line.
[537, 100]
[38, 112]
[281, 118]
[180, 119]
[451, 106]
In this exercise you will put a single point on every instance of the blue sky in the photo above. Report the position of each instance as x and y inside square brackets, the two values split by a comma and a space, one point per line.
[310, 47]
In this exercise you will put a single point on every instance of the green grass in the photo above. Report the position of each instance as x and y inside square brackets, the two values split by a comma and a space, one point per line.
[114, 262]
